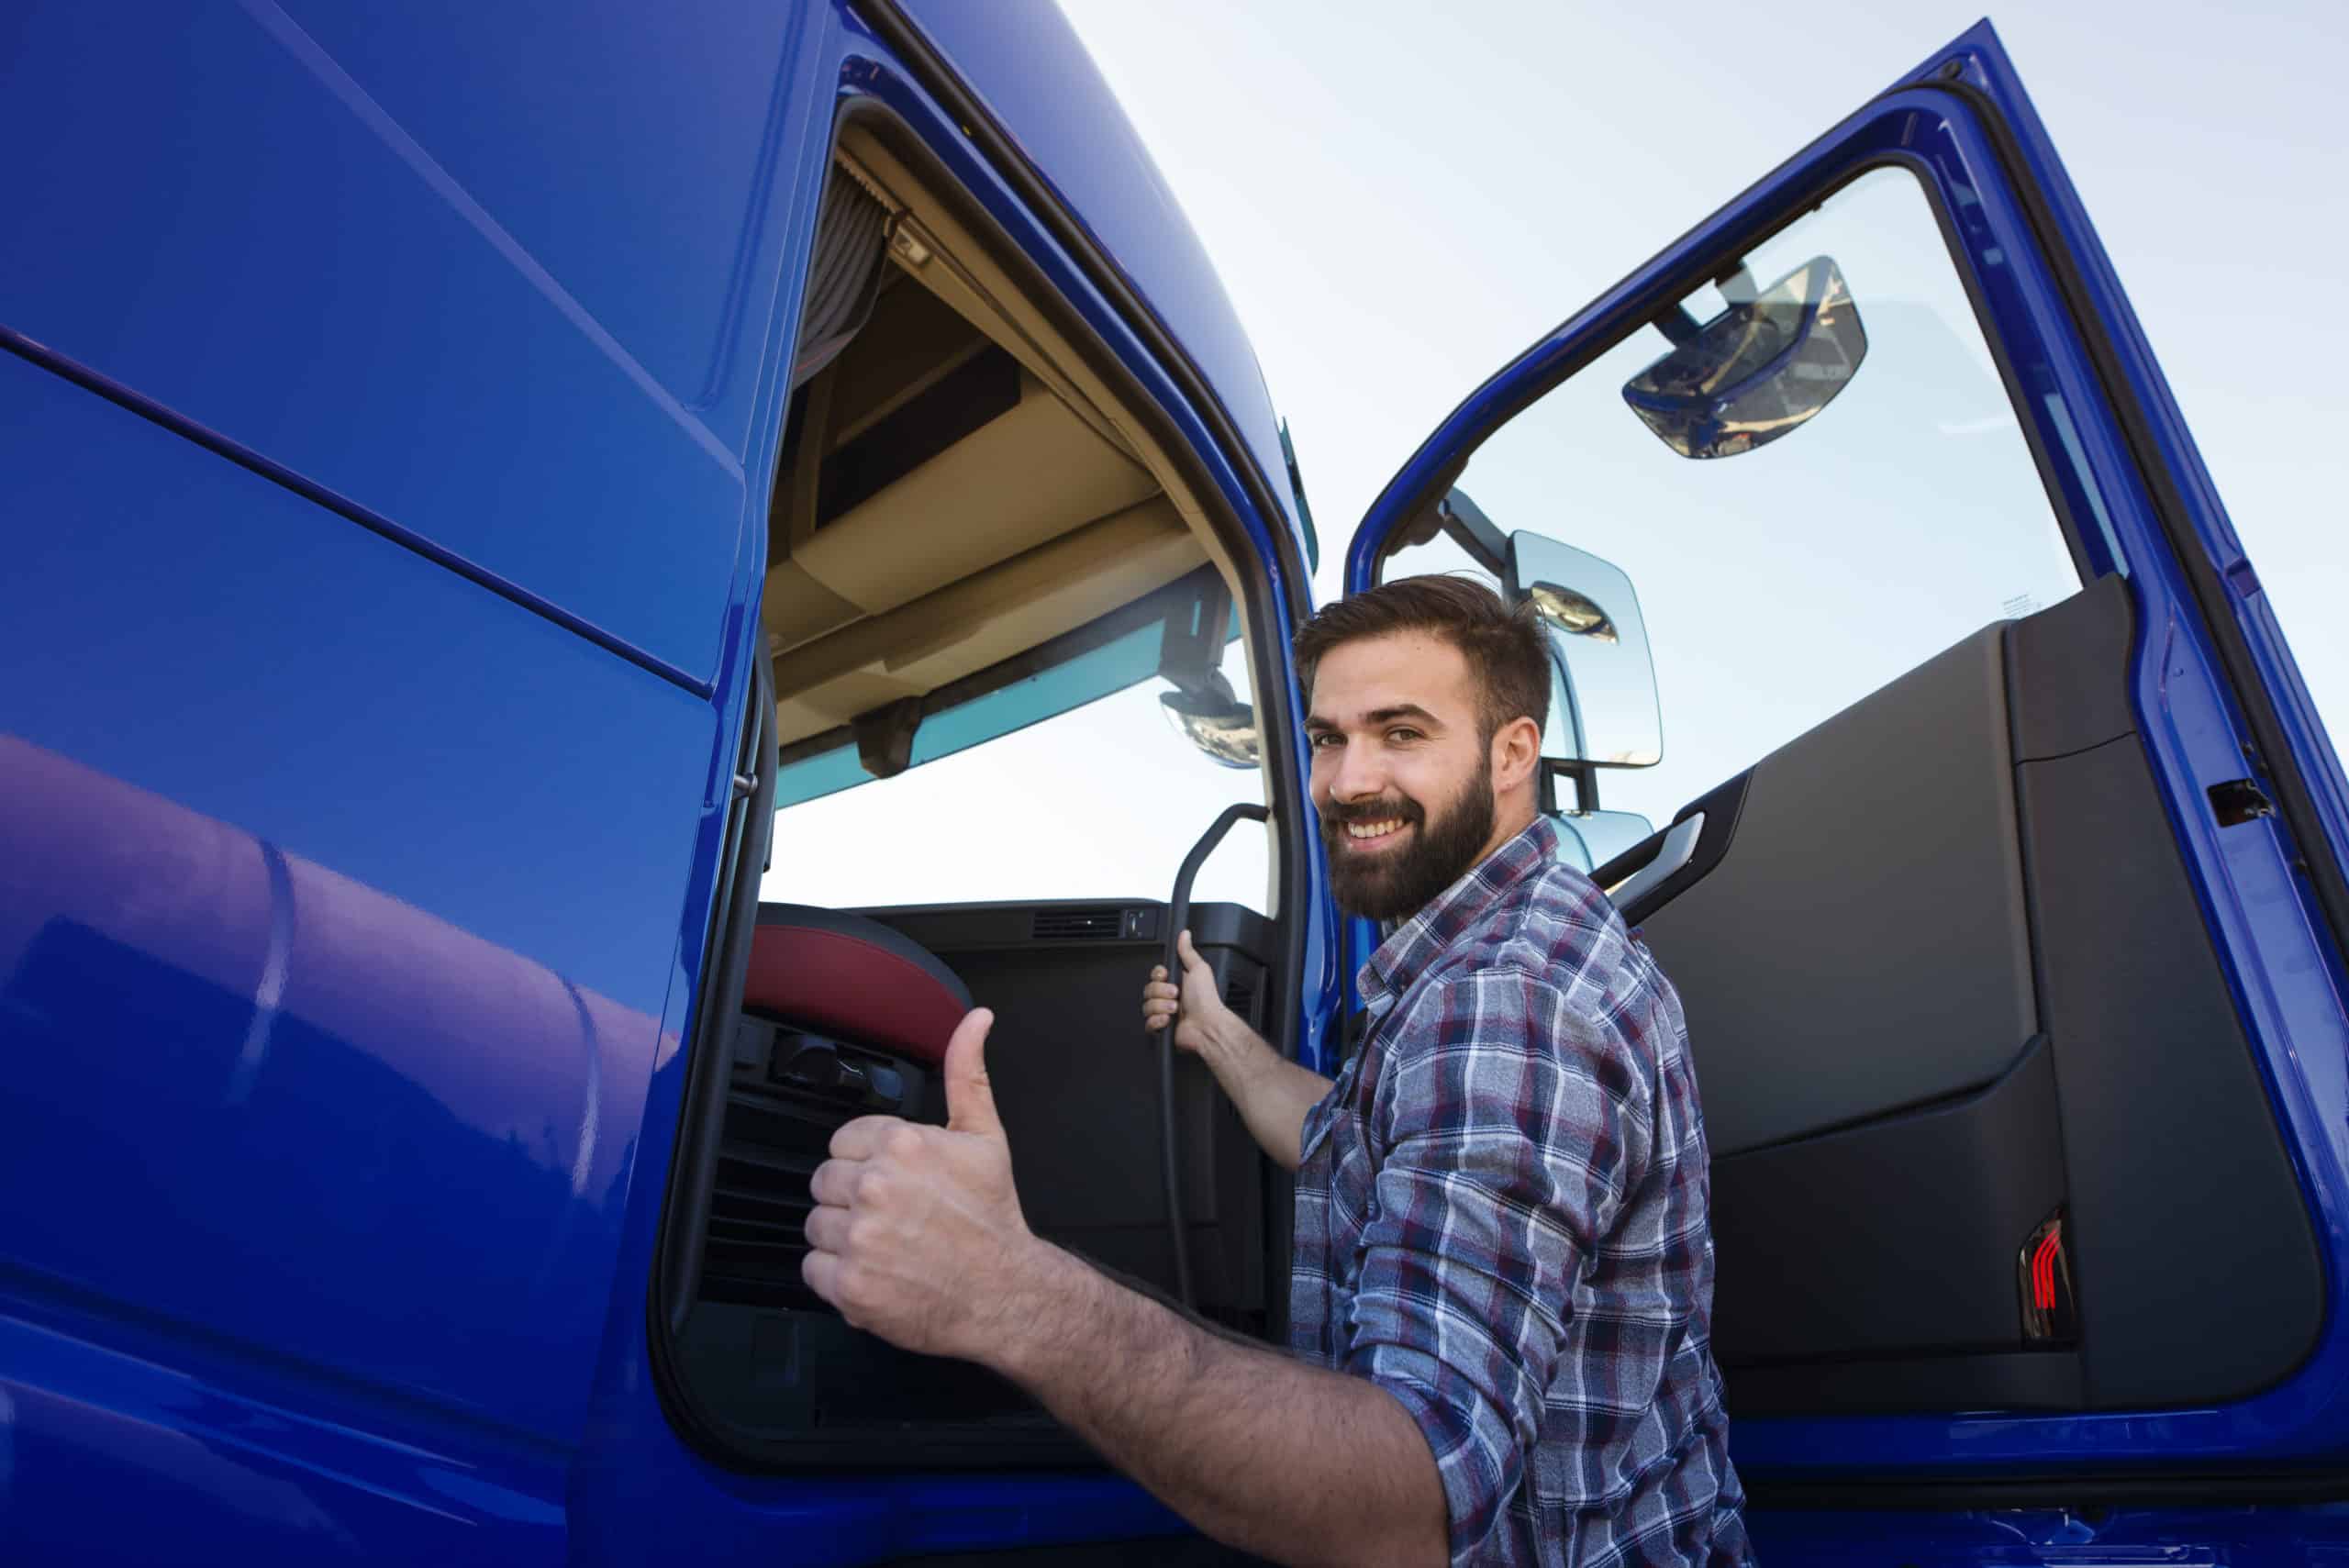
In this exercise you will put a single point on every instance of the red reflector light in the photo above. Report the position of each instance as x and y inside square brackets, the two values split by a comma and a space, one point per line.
[2043, 1268]
[2045, 1286]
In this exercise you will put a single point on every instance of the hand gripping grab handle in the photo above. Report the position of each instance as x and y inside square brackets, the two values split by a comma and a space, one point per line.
[1178, 915]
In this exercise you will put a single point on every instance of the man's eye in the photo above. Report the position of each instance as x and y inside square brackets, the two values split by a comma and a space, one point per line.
[1402, 733]
[1319, 741]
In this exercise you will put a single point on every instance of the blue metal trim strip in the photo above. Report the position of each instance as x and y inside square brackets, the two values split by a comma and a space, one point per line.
[309, 489]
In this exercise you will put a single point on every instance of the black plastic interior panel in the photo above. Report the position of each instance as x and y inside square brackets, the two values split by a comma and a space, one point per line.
[2013, 1380]
[2200, 1276]
[1077, 1087]
[1897, 1236]
[1862, 945]
[1720, 808]
[801, 1373]
[1076, 1081]
[2070, 669]
[1875, 873]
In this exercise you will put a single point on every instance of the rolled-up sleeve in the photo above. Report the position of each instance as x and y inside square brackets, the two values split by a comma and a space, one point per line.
[1511, 1127]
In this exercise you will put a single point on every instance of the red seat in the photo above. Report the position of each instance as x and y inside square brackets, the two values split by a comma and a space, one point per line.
[850, 978]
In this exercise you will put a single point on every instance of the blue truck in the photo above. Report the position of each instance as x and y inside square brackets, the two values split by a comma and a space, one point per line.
[475, 477]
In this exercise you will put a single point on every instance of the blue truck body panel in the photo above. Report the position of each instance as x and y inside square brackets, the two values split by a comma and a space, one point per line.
[389, 400]
[445, 323]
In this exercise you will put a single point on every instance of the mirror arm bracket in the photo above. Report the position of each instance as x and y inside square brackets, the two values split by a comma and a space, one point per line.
[1191, 645]
[1585, 777]
[1473, 531]
[1678, 326]
[885, 737]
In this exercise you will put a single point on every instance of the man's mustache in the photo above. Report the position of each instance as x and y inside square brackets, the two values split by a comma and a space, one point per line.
[1401, 808]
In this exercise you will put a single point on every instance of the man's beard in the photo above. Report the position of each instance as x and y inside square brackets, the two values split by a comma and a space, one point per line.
[1400, 882]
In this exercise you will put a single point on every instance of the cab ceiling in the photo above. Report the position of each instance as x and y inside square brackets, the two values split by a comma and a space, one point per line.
[957, 486]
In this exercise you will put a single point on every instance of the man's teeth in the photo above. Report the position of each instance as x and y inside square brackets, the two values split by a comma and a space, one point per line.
[1374, 829]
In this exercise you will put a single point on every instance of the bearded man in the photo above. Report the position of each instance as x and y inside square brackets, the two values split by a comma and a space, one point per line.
[1501, 1295]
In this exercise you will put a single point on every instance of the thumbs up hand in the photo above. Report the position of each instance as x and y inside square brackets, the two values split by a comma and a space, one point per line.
[917, 1234]
[970, 1096]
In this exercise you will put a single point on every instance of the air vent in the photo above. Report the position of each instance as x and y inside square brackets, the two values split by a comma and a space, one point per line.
[779, 1127]
[758, 1219]
[1073, 925]
[1241, 997]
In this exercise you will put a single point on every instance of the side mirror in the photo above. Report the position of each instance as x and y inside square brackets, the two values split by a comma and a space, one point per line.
[1203, 707]
[1588, 839]
[1757, 371]
[1603, 708]
[1211, 718]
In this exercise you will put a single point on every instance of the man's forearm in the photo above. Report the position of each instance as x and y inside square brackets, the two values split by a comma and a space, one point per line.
[1290, 1462]
[1272, 1092]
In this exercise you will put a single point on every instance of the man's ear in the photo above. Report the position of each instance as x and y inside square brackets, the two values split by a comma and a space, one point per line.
[1517, 754]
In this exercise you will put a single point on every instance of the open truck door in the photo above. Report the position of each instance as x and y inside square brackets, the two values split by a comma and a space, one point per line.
[1997, 851]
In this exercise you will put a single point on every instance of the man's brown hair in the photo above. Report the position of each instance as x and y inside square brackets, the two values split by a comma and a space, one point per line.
[1507, 649]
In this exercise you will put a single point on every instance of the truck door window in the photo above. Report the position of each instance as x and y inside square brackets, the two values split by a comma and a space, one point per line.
[1783, 583]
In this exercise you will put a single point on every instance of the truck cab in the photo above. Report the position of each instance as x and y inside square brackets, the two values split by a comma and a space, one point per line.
[583, 587]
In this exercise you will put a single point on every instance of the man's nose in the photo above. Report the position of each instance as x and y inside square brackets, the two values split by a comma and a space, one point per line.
[1357, 775]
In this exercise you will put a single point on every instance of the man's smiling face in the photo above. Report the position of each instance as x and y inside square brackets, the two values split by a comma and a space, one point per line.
[1402, 770]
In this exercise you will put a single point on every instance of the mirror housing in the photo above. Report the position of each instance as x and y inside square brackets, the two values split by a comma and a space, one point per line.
[1202, 708]
[1603, 707]
[1758, 371]
[1212, 720]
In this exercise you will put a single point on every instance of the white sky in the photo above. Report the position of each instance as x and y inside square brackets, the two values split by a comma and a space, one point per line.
[1399, 202]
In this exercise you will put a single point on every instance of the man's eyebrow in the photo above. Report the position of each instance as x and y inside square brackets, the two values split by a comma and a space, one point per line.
[1379, 716]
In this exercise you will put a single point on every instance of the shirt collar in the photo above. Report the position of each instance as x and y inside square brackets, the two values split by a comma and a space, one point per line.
[1413, 945]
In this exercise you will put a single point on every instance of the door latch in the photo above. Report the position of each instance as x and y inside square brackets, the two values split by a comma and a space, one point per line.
[2239, 801]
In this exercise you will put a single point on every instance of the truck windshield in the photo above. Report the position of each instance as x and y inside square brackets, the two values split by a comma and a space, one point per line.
[1040, 790]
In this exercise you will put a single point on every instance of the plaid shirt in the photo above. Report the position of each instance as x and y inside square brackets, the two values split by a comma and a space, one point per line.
[1501, 1219]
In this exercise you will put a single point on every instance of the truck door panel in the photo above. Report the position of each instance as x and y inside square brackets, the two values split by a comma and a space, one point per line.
[1885, 841]
[2013, 984]
[1993, 1001]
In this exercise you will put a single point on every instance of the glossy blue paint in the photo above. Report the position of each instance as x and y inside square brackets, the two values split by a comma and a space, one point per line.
[2057, 1538]
[136, 1456]
[2286, 970]
[333, 964]
[476, 319]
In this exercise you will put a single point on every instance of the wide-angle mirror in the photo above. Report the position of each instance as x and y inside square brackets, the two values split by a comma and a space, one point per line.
[1756, 371]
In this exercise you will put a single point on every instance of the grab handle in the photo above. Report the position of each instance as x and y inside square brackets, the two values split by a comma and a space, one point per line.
[1179, 914]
